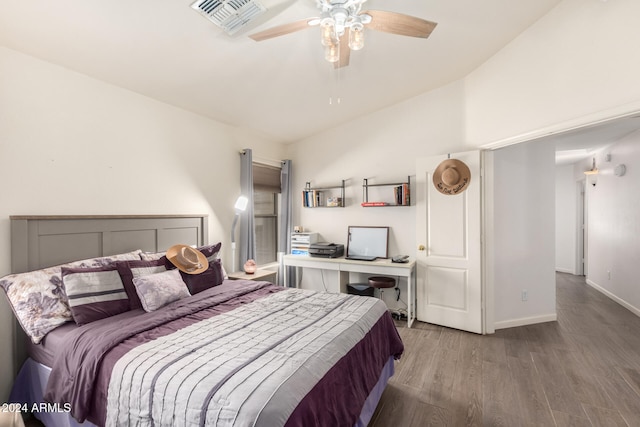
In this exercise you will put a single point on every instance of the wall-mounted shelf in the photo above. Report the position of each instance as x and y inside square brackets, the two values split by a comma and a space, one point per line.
[398, 194]
[323, 197]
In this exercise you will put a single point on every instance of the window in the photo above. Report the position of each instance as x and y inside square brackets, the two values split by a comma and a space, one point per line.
[266, 194]
[266, 223]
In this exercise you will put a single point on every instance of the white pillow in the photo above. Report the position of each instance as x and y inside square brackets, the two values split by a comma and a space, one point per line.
[38, 299]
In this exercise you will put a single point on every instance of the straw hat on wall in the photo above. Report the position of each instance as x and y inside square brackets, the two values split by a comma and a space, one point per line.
[451, 177]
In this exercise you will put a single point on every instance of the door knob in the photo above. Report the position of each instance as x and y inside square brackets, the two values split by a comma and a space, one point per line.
[421, 248]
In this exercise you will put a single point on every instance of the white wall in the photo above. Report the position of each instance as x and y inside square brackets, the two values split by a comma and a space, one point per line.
[613, 224]
[524, 234]
[577, 64]
[566, 219]
[558, 73]
[383, 148]
[73, 145]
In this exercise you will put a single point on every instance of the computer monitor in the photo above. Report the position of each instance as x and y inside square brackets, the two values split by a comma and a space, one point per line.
[367, 243]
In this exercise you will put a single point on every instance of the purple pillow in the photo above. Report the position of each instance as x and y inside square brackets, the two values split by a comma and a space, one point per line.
[131, 269]
[94, 293]
[209, 278]
[211, 251]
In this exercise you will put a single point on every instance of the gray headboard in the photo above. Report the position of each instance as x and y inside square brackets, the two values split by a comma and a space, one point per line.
[43, 241]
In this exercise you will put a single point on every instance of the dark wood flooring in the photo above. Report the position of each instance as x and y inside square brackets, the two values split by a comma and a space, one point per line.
[583, 370]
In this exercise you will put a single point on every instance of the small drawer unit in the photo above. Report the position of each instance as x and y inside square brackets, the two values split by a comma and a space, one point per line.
[300, 242]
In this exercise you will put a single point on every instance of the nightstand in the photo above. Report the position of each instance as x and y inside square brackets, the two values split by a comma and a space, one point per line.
[265, 275]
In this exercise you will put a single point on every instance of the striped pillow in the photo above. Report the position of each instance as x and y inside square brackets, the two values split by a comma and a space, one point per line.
[94, 293]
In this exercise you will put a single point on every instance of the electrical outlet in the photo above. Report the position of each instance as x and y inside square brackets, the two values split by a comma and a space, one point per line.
[525, 295]
[609, 274]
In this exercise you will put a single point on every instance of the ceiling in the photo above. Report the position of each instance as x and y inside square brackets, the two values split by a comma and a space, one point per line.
[281, 88]
[576, 145]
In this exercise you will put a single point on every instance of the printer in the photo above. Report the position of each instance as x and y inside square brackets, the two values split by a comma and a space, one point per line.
[326, 250]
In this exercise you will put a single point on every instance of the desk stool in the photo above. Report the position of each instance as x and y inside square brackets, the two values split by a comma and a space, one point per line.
[381, 282]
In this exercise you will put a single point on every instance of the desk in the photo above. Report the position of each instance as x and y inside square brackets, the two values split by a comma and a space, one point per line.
[266, 275]
[346, 266]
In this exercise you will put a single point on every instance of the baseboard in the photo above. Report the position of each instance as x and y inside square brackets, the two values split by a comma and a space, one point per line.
[633, 309]
[523, 321]
[565, 270]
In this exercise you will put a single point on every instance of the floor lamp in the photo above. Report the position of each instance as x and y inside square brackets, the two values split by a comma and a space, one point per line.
[240, 206]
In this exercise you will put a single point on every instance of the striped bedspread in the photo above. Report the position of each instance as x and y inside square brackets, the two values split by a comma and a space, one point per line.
[288, 358]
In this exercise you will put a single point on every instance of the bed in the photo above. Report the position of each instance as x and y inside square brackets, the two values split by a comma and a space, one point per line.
[226, 353]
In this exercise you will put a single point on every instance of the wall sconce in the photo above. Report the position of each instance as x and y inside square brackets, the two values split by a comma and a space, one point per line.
[593, 170]
[592, 174]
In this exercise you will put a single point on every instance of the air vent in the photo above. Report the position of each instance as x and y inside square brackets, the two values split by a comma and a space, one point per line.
[230, 15]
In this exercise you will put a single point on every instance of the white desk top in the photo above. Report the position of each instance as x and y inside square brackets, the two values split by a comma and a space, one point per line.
[345, 264]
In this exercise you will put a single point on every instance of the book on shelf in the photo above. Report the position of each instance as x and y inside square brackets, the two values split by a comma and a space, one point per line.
[374, 204]
[401, 194]
[406, 199]
[312, 198]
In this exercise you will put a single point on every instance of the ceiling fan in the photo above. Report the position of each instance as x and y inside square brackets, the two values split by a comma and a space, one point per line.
[342, 24]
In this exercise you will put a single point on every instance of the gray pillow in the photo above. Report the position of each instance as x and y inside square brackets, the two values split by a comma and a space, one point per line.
[160, 289]
[130, 269]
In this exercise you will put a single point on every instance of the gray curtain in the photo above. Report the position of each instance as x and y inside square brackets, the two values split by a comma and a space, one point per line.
[247, 242]
[284, 223]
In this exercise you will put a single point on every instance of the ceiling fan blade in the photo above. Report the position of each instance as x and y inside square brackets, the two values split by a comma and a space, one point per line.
[281, 30]
[397, 23]
[345, 51]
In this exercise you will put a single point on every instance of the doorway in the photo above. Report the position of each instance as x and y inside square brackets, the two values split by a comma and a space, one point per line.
[581, 232]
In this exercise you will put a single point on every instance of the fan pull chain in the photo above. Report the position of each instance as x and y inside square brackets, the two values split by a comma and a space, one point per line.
[335, 79]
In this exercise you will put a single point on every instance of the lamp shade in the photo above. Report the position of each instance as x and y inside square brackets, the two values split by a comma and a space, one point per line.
[241, 204]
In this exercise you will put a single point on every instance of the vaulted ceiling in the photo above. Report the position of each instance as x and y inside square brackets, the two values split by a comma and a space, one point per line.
[283, 87]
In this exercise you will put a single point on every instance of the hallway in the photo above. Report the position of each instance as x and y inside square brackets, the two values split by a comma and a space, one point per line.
[583, 370]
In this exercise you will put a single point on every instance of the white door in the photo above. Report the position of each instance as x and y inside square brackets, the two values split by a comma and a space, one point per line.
[449, 264]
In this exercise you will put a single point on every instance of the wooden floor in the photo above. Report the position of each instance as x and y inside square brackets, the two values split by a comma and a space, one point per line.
[583, 370]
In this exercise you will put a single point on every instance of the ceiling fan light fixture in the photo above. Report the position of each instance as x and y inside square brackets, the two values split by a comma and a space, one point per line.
[343, 22]
[356, 36]
[327, 32]
[339, 16]
[332, 52]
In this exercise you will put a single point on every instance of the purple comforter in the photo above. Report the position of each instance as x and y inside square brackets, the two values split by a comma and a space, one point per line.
[82, 371]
